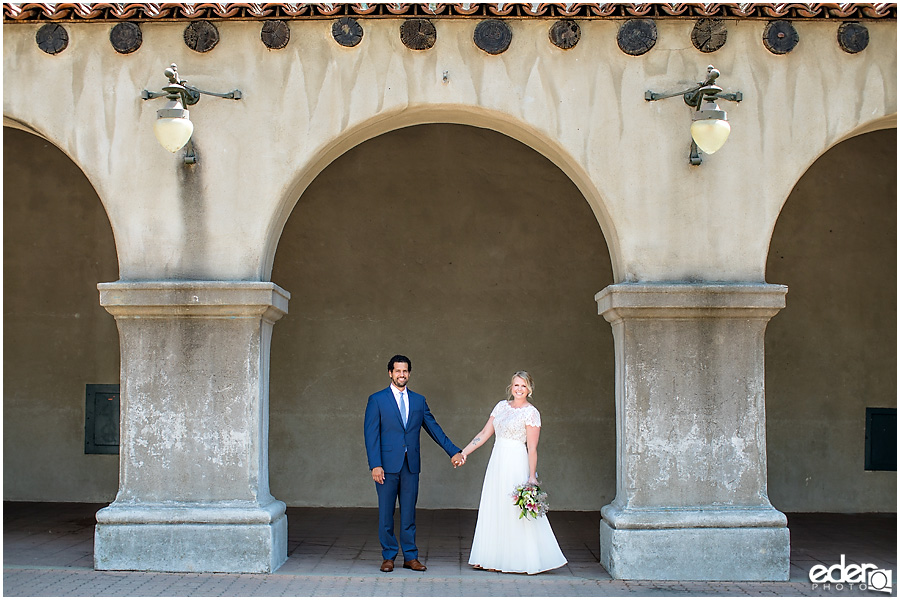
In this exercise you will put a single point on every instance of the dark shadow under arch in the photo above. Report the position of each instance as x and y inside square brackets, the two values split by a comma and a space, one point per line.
[474, 117]
[832, 351]
[476, 256]
[57, 245]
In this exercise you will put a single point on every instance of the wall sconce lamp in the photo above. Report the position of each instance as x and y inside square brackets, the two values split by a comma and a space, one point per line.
[173, 127]
[709, 127]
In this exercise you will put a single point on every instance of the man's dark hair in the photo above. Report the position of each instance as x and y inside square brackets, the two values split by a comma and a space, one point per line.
[399, 358]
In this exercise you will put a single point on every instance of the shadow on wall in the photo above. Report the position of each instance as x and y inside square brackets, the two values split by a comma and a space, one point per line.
[475, 256]
[832, 351]
[57, 245]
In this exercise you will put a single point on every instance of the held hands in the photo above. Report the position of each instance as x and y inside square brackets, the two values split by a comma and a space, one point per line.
[457, 459]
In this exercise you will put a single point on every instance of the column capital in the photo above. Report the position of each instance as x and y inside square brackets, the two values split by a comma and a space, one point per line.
[690, 300]
[194, 299]
[194, 433]
[690, 434]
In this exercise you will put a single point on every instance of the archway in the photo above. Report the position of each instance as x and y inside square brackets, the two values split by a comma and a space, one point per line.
[476, 256]
[832, 352]
[57, 245]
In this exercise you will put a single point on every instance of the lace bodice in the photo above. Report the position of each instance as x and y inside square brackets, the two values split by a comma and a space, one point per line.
[509, 423]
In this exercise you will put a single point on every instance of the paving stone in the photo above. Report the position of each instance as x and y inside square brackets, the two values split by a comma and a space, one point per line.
[48, 552]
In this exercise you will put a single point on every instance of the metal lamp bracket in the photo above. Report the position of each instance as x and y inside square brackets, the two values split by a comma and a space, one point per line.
[190, 95]
[179, 89]
[695, 96]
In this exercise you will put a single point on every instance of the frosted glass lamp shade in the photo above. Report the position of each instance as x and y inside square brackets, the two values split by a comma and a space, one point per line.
[173, 132]
[710, 134]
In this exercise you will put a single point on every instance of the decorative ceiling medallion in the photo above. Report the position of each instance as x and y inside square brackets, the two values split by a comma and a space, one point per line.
[565, 33]
[347, 32]
[126, 37]
[275, 34]
[637, 36]
[493, 36]
[201, 36]
[853, 37]
[780, 37]
[52, 38]
[709, 35]
[418, 34]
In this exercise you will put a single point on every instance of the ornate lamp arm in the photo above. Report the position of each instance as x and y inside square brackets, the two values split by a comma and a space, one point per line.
[709, 120]
[173, 127]
[693, 97]
[190, 95]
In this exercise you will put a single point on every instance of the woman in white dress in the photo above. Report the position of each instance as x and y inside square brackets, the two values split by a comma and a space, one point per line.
[503, 541]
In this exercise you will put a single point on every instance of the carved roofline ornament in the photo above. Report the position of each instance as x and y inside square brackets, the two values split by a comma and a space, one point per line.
[30, 12]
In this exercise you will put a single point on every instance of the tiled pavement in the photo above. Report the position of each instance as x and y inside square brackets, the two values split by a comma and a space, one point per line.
[47, 551]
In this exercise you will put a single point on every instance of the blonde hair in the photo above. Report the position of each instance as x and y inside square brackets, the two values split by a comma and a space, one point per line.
[528, 382]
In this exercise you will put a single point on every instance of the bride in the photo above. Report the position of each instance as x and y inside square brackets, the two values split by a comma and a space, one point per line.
[503, 541]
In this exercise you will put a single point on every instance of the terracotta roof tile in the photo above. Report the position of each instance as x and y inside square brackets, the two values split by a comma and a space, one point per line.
[181, 11]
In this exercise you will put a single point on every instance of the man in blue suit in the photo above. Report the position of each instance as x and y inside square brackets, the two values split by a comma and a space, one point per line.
[394, 419]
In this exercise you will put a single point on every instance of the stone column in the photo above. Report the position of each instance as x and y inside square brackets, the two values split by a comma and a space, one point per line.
[193, 466]
[691, 500]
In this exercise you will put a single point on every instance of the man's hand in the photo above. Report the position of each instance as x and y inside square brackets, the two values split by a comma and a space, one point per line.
[458, 459]
[378, 475]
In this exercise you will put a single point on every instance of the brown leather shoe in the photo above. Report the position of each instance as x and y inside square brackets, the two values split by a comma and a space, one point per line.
[387, 566]
[414, 564]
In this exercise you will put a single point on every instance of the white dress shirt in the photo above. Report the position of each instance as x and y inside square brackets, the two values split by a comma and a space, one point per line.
[396, 393]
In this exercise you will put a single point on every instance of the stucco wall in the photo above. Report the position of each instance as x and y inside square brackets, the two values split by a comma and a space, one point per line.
[371, 287]
[476, 257]
[832, 351]
[621, 166]
[583, 108]
[57, 245]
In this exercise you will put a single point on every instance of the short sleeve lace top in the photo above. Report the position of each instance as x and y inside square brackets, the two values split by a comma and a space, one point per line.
[509, 422]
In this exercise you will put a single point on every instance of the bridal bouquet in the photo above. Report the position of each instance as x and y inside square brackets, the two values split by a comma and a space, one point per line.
[530, 500]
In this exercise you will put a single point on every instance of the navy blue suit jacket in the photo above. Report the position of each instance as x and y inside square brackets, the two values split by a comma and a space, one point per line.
[387, 440]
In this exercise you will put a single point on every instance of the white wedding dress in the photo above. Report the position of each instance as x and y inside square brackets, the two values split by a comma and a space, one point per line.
[503, 541]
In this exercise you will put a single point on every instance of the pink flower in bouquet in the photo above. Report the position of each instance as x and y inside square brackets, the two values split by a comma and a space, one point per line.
[531, 501]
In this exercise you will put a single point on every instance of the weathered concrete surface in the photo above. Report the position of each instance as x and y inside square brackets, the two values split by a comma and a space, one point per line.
[224, 537]
[193, 469]
[690, 433]
[696, 553]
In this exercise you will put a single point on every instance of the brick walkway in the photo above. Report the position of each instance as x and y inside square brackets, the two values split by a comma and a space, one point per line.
[48, 551]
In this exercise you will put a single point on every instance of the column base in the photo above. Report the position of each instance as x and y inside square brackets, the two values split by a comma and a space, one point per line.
[187, 538]
[696, 553]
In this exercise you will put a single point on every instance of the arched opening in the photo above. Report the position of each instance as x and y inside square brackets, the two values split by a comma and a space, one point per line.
[832, 352]
[474, 255]
[57, 245]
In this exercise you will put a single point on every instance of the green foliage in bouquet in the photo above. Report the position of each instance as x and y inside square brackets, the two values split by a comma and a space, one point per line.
[531, 501]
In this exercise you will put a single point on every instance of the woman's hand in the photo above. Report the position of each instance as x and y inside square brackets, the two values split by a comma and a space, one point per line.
[533, 479]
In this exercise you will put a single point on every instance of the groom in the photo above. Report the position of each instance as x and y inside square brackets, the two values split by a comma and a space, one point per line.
[394, 418]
